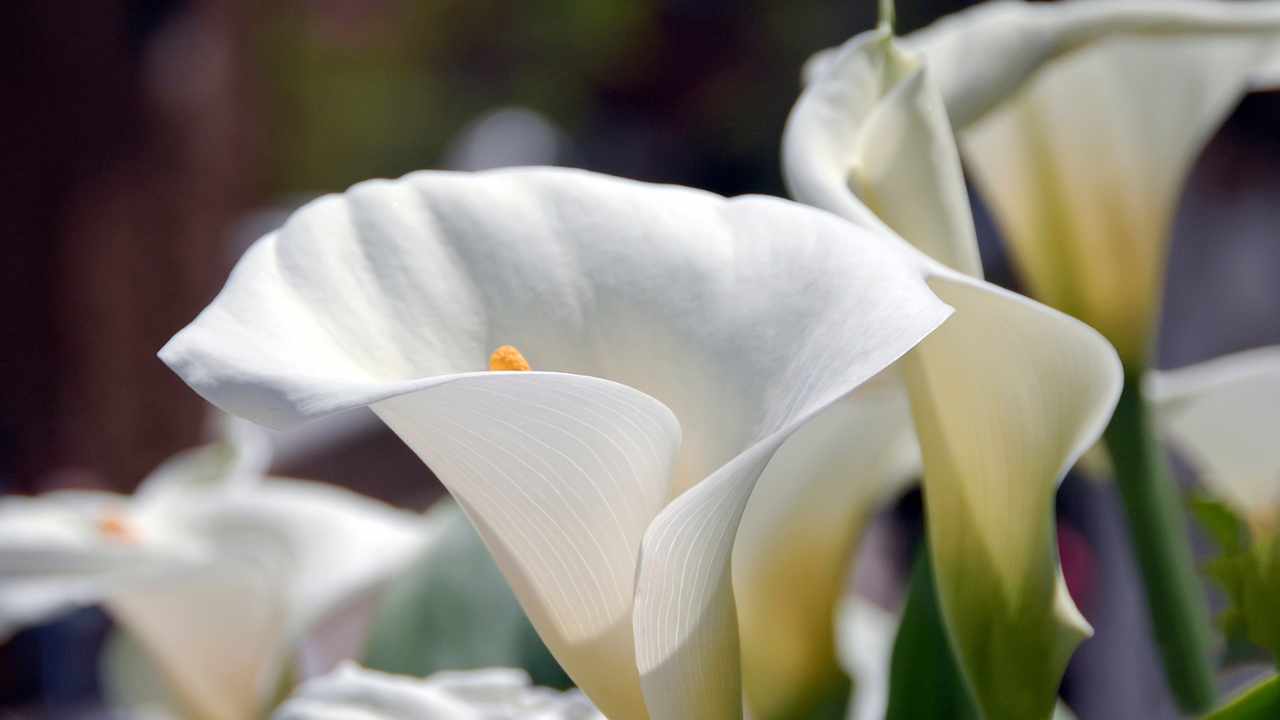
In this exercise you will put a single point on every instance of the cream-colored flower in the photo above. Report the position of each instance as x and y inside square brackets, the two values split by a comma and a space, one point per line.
[1004, 397]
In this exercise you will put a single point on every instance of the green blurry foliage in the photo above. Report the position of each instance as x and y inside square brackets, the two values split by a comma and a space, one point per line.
[1247, 569]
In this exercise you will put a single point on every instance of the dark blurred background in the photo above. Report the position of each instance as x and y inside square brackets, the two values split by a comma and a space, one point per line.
[146, 141]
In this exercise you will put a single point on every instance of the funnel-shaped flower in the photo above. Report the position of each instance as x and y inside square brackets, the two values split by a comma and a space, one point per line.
[677, 340]
[214, 571]
[1004, 397]
[355, 693]
[1080, 122]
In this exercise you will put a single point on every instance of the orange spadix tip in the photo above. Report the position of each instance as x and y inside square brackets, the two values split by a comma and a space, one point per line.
[507, 358]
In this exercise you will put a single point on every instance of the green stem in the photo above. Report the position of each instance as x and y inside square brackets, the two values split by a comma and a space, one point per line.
[887, 14]
[1260, 702]
[1158, 532]
[924, 677]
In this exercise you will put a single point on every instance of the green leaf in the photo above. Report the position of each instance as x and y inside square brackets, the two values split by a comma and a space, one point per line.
[453, 610]
[1260, 702]
[1248, 571]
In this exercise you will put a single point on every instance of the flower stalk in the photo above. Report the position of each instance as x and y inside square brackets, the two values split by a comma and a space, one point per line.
[1158, 531]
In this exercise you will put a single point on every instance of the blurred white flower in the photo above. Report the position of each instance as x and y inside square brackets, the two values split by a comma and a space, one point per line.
[611, 505]
[352, 692]
[213, 570]
[1224, 417]
[1004, 397]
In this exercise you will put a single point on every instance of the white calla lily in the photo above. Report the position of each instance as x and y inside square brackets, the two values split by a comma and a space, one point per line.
[679, 339]
[1004, 397]
[1224, 416]
[352, 692]
[1080, 121]
[214, 571]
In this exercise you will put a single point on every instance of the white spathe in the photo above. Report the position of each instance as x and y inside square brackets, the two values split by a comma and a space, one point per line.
[214, 570]
[678, 339]
[1223, 415]
[1080, 122]
[1004, 397]
[352, 692]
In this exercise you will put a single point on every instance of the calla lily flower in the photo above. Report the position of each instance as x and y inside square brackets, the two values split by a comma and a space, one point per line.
[1004, 397]
[1080, 122]
[213, 570]
[352, 692]
[677, 340]
[1224, 417]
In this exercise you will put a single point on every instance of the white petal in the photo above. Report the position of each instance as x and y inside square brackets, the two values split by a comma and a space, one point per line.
[1080, 122]
[870, 141]
[561, 474]
[340, 544]
[865, 635]
[1005, 398]
[685, 619]
[354, 693]
[800, 531]
[731, 313]
[672, 291]
[1224, 414]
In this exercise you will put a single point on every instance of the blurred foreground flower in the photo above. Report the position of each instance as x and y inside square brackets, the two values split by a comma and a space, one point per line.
[214, 571]
[1224, 417]
[611, 506]
[1004, 397]
[354, 693]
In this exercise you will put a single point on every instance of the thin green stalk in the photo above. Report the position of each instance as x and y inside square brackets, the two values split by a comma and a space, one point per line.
[924, 678]
[1158, 532]
[1260, 702]
[887, 13]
